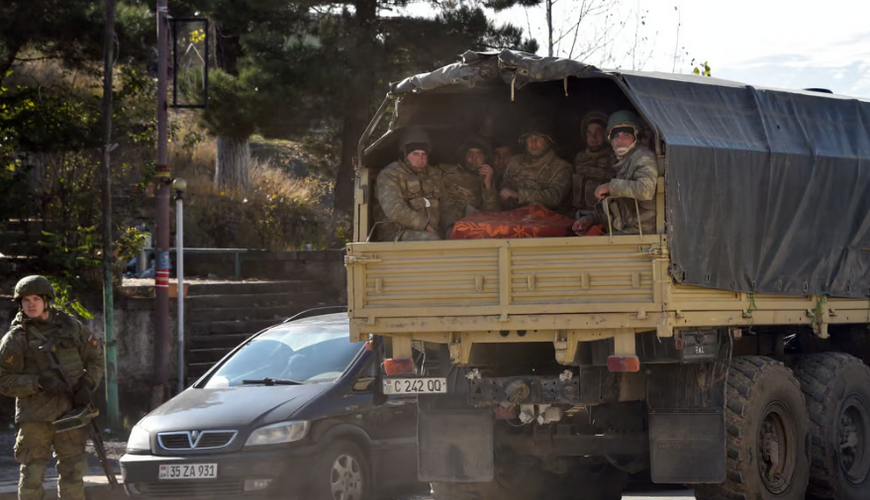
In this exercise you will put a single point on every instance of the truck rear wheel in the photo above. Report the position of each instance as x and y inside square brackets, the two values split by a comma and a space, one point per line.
[767, 426]
[837, 389]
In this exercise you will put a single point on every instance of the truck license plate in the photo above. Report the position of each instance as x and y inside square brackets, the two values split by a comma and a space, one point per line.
[188, 471]
[415, 386]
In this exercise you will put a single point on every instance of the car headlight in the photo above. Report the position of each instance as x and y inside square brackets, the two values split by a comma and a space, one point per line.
[283, 432]
[139, 440]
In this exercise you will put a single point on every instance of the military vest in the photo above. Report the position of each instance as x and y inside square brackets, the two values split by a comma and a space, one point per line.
[67, 340]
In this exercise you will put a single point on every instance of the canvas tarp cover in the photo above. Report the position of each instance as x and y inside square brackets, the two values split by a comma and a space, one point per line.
[767, 190]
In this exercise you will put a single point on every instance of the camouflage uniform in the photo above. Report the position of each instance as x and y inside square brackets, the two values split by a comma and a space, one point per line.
[464, 194]
[636, 177]
[542, 181]
[410, 199]
[591, 169]
[22, 366]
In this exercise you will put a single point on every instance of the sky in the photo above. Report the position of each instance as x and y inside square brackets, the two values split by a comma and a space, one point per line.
[772, 43]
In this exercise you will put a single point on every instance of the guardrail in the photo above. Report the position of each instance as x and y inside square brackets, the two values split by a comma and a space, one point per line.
[238, 254]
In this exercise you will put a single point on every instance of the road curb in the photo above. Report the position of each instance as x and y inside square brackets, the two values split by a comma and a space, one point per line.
[97, 488]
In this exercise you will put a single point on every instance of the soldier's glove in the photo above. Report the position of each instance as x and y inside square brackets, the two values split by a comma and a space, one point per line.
[52, 385]
[83, 393]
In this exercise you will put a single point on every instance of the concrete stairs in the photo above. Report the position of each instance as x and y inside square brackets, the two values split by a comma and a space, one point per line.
[223, 315]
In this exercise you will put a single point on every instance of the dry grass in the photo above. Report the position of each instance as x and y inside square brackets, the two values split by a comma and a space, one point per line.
[279, 212]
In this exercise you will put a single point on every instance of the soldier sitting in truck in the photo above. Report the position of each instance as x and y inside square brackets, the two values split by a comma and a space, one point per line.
[538, 176]
[409, 190]
[469, 186]
[632, 191]
[593, 165]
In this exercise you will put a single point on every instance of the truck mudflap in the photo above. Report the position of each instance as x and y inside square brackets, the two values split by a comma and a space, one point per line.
[455, 446]
[686, 403]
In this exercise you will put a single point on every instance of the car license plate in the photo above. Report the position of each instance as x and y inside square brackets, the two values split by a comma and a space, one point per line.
[415, 386]
[188, 471]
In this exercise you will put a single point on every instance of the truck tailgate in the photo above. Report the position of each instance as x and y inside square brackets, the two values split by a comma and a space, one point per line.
[497, 277]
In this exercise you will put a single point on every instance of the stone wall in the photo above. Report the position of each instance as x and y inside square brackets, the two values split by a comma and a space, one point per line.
[134, 318]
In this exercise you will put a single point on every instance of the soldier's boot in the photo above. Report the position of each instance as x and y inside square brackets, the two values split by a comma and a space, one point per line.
[72, 464]
[32, 449]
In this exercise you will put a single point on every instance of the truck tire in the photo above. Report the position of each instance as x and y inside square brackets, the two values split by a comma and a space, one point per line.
[837, 389]
[767, 426]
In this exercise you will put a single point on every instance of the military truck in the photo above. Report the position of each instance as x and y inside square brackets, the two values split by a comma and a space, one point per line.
[728, 351]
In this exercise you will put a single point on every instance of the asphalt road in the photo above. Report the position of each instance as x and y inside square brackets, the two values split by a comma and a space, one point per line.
[660, 495]
[657, 495]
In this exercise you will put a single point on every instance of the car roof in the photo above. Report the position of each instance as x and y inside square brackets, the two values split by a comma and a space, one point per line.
[334, 319]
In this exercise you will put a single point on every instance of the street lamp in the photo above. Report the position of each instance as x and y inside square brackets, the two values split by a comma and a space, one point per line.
[179, 185]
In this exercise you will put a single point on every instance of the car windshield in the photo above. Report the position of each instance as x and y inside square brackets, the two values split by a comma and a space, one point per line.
[305, 353]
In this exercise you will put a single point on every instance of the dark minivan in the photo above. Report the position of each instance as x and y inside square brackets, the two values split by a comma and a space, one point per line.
[288, 414]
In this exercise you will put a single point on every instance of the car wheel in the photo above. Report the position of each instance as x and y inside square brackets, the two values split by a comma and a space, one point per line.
[341, 473]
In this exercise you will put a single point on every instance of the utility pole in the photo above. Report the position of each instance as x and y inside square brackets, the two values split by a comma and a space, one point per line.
[111, 365]
[160, 380]
[180, 185]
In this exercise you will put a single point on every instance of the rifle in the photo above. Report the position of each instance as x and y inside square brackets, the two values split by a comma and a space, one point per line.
[77, 418]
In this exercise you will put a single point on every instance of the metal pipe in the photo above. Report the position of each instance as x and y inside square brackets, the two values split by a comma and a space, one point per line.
[360, 146]
[110, 354]
[160, 376]
[179, 266]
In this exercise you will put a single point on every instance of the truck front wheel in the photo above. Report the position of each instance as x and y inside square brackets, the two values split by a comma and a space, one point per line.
[837, 388]
[766, 428]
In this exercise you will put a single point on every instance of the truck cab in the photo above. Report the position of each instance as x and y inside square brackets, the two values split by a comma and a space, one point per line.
[694, 353]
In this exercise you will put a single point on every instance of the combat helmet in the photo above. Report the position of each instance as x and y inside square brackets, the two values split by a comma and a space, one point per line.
[624, 118]
[538, 126]
[34, 285]
[416, 137]
[593, 116]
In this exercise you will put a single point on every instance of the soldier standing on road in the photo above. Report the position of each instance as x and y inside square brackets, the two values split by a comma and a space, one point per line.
[469, 186]
[409, 190]
[634, 188]
[593, 166]
[41, 394]
[538, 176]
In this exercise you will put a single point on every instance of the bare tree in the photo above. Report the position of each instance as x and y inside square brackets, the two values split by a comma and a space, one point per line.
[570, 42]
[607, 33]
